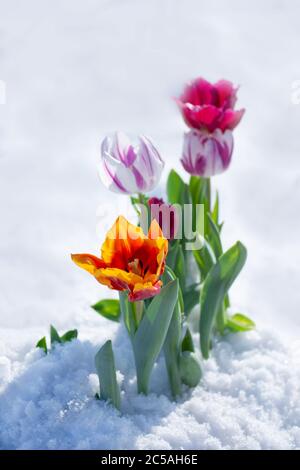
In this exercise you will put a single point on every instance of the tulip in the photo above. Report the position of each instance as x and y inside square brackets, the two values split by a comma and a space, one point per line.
[210, 106]
[207, 154]
[165, 214]
[130, 261]
[127, 169]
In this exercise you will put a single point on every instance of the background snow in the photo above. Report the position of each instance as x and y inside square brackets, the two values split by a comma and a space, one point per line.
[73, 72]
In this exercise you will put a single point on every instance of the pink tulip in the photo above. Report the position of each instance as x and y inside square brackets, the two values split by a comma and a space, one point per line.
[210, 106]
[206, 154]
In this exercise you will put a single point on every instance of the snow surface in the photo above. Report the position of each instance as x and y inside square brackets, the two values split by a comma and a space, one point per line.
[249, 399]
[75, 70]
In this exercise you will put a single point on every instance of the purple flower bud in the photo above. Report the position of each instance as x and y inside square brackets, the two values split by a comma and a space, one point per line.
[127, 169]
[206, 154]
[167, 217]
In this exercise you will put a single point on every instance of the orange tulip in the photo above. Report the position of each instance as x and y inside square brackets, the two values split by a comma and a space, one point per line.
[130, 260]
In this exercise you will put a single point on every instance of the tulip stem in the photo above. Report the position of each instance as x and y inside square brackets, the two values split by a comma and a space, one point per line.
[145, 211]
[138, 311]
[208, 193]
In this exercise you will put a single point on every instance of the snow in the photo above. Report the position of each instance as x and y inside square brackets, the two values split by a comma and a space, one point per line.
[249, 399]
[74, 71]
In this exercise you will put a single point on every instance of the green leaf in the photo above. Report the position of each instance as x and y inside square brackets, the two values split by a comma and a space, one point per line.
[191, 298]
[172, 253]
[214, 237]
[200, 190]
[54, 336]
[240, 322]
[168, 276]
[190, 369]
[176, 261]
[175, 188]
[42, 343]
[215, 211]
[216, 285]
[205, 258]
[172, 342]
[172, 351]
[69, 336]
[108, 308]
[105, 366]
[187, 342]
[128, 313]
[151, 333]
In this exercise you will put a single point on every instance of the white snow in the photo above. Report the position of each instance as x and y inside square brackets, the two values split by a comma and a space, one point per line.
[249, 399]
[73, 71]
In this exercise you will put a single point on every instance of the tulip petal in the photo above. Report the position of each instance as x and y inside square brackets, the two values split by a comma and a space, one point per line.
[88, 262]
[199, 92]
[226, 93]
[199, 117]
[116, 176]
[230, 119]
[144, 291]
[126, 169]
[117, 279]
[130, 260]
[207, 154]
[122, 149]
[121, 242]
[148, 163]
[210, 106]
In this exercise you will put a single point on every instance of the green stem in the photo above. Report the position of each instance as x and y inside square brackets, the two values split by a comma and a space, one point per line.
[138, 311]
[208, 192]
[143, 201]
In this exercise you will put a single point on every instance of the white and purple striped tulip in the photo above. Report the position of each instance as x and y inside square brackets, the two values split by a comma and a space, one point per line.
[207, 154]
[130, 169]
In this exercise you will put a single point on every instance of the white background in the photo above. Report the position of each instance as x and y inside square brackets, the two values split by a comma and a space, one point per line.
[75, 70]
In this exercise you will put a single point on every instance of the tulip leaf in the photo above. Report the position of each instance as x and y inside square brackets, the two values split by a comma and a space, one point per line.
[190, 369]
[172, 351]
[172, 253]
[205, 258]
[69, 336]
[105, 366]
[191, 298]
[168, 276]
[42, 343]
[187, 342]
[54, 336]
[172, 344]
[108, 308]
[175, 188]
[214, 237]
[175, 261]
[152, 331]
[240, 322]
[215, 211]
[200, 190]
[215, 287]
[128, 313]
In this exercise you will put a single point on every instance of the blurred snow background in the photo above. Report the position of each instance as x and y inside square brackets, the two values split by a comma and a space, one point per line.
[75, 70]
